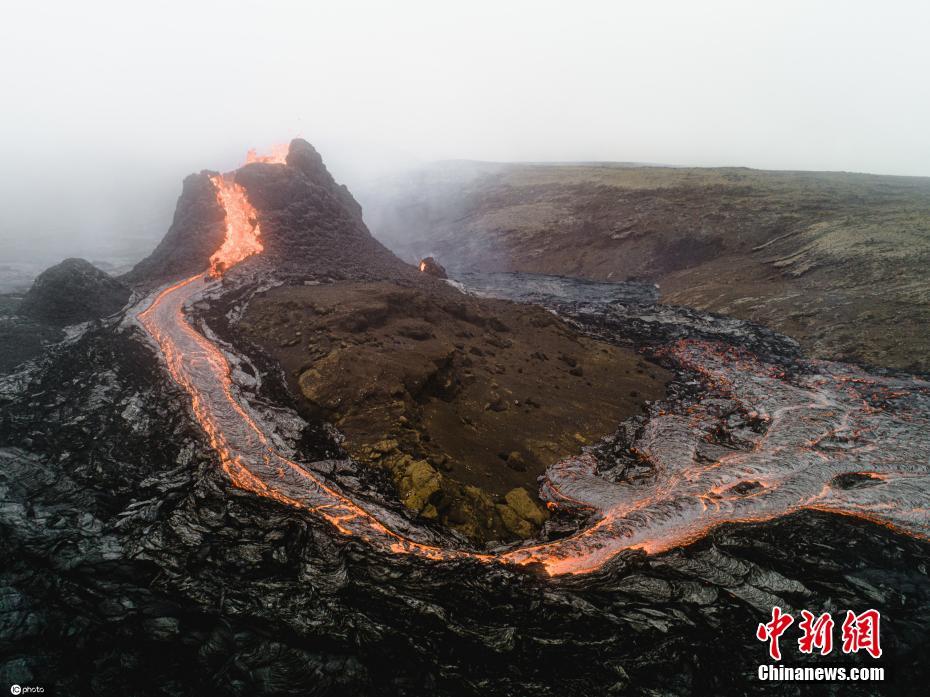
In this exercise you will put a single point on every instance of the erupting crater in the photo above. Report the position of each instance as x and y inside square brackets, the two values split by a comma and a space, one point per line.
[277, 156]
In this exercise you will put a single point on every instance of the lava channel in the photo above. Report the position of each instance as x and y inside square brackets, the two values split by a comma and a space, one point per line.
[242, 229]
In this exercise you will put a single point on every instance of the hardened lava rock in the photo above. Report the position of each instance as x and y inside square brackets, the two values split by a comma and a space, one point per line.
[71, 292]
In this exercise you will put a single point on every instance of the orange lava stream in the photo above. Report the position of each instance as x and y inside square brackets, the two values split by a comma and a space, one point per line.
[242, 229]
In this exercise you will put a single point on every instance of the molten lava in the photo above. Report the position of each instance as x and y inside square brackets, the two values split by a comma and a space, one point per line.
[242, 229]
[278, 155]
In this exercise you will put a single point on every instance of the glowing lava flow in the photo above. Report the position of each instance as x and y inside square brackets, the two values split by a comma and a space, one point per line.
[242, 229]
[818, 443]
[832, 439]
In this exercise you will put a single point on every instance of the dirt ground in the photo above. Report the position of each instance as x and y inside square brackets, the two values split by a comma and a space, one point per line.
[464, 401]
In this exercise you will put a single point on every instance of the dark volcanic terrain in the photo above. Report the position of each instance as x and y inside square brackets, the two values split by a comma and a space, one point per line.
[839, 261]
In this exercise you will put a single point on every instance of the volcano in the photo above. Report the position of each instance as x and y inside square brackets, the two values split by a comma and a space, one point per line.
[294, 464]
[309, 223]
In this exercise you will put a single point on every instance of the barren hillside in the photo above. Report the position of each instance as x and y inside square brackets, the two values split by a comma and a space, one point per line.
[840, 261]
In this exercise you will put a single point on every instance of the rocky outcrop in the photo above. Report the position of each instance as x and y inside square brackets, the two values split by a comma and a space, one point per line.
[71, 292]
[303, 157]
[312, 226]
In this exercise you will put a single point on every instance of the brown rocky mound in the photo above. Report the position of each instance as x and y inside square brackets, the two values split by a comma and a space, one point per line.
[464, 401]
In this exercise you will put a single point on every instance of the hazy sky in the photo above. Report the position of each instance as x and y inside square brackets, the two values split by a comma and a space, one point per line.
[107, 105]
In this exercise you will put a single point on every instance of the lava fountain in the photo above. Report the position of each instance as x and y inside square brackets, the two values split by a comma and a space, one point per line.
[832, 438]
[277, 156]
